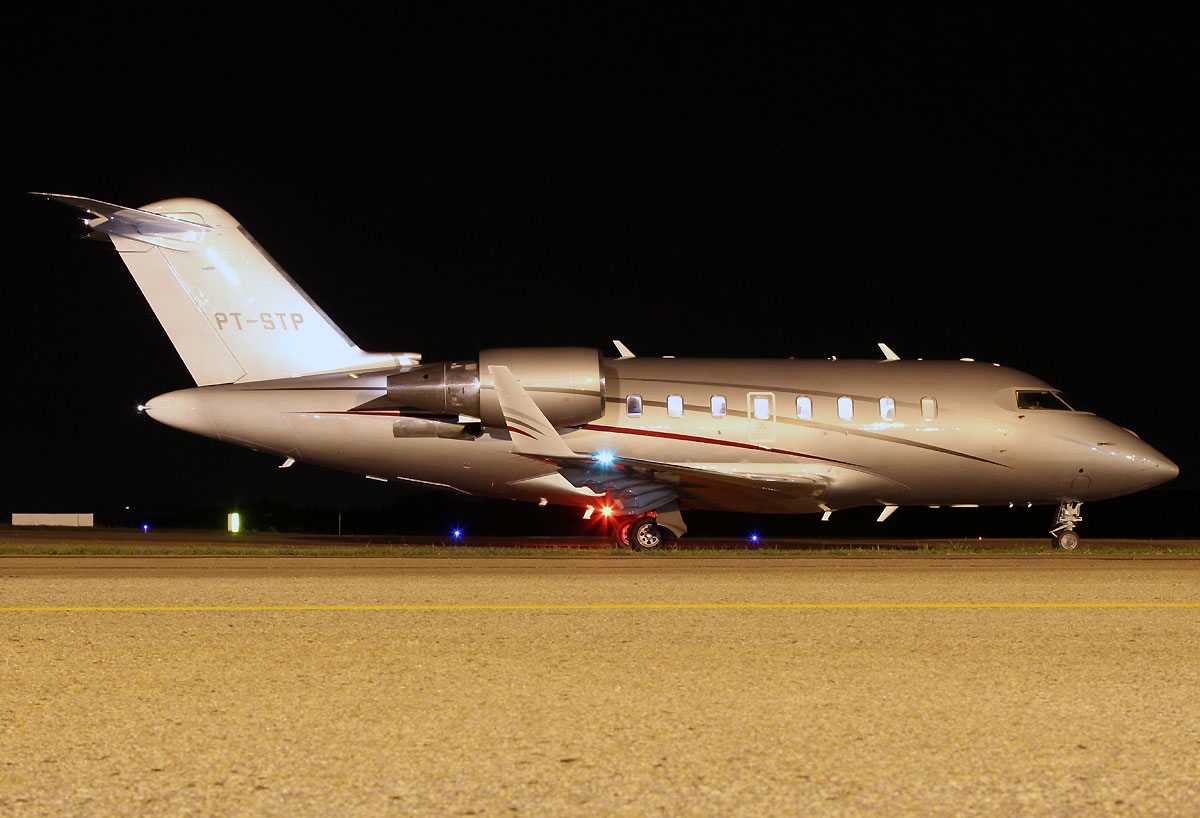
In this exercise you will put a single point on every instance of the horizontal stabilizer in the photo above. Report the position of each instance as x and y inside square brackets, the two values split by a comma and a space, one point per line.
[129, 222]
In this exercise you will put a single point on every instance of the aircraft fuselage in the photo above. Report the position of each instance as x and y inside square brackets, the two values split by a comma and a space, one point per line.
[810, 435]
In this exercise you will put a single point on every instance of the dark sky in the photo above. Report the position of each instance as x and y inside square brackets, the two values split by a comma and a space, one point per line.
[1018, 190]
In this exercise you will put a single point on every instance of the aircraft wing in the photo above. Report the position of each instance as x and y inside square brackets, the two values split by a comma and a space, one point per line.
[639, 486]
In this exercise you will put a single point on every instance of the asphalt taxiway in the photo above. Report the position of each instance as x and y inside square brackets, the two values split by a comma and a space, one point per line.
[600, 685]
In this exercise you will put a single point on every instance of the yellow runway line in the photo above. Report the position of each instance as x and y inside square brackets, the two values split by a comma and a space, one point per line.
[619, 606]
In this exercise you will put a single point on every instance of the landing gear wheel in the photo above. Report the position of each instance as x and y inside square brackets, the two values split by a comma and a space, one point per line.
[1068, 540]
[645, 534]
[623, 532]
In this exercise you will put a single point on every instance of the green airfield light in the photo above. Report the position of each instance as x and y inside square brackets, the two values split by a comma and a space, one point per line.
[235, 522]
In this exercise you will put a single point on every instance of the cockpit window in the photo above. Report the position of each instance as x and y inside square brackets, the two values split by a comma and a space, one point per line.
[1033, 399]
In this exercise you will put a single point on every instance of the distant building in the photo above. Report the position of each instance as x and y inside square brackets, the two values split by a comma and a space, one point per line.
[74, 520]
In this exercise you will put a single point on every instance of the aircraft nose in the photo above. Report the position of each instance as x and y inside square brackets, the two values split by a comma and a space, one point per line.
[1145, 465]
[1167, 470]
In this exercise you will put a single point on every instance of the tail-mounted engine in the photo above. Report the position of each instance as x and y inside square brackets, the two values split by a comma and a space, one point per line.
[566, 383]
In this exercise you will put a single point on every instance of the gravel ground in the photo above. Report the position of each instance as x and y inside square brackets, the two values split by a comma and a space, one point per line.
[295, 686]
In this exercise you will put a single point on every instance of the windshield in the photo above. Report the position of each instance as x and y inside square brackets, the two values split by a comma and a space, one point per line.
[1042, 399]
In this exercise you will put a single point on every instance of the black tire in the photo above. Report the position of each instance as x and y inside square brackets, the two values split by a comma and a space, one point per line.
[645, 535]
[1067, 540]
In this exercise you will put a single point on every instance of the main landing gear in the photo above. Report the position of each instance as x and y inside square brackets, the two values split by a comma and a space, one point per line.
[1064, 530]
[643, 533]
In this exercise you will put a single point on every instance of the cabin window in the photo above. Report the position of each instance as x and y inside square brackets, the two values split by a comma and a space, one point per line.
[675, 406]
[929, 408]
[633, 406]
[845, 407]
[1040, 399]
[761, 407]
[804, 408]
[887, 408]
[719, 406]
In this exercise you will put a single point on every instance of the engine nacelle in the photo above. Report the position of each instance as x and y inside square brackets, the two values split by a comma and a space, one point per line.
[566, 383]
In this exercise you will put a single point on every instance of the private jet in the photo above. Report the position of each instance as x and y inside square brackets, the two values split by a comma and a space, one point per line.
[635, 440]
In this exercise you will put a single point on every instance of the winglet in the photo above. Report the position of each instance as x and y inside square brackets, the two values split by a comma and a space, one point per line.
[532, 433]
[887, 352]
[622, 350]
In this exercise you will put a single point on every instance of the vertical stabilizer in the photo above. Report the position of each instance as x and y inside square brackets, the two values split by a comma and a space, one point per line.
[231, 312]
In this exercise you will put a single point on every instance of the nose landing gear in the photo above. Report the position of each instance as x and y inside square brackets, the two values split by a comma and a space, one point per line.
[1064, 531]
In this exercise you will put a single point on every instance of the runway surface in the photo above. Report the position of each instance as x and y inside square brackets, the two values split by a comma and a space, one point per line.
[600, 685]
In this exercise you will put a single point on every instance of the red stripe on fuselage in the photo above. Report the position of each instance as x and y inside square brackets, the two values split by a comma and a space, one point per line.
[694, 439]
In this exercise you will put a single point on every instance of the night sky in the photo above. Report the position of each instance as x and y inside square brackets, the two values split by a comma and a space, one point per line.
[1023, 191]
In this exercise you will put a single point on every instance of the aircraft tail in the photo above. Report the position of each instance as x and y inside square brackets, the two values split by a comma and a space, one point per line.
[232, 313]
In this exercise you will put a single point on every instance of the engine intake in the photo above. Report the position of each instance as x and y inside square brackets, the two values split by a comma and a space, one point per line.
[566, 383]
